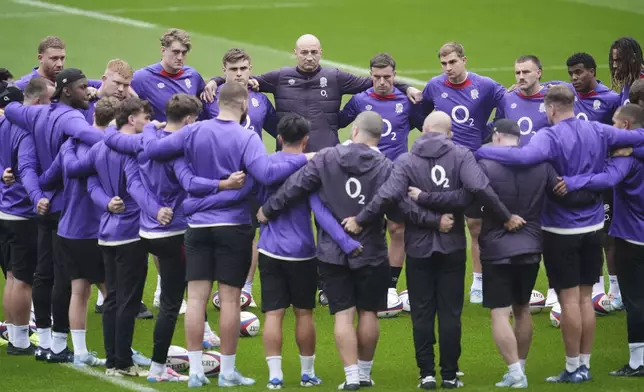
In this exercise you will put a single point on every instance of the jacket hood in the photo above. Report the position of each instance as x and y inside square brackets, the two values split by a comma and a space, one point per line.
[432, 145]
[358, 158]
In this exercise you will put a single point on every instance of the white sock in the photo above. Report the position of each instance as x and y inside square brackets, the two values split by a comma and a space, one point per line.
[307, 364]
[275, 367]
[79, 342]
[100, 299]
[477, 282]
[614, 285]
[637, 355]
[364, 368]
[572, 364]
[206, 329]
[599, 286]
[157, 292]
[157, 369]
[44, 337]
[522, 362]
[59, 343]
[9, 332]
[21, 336]
[248, 287]
[515, 370]
[196, 366]
[227, 365]
[352, 374]
[584, 360]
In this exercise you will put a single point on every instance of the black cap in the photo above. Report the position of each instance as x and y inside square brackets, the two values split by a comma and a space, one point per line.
[507, 127]
[9, 94]
[65, 78]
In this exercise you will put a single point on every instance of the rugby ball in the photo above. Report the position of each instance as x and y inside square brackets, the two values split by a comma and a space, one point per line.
[244, 300]
[211, 362]
[601, 303]
[555, 315]
[537, 301]
[404, 298]
[178, 359]
[394, 306]
[248, 324]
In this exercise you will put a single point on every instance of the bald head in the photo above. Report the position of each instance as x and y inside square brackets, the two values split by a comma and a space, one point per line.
[438, 122]
[308, 52]
[306, 40]
[367, 128]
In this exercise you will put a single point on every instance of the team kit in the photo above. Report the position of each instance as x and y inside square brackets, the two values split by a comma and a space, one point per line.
[99, 174]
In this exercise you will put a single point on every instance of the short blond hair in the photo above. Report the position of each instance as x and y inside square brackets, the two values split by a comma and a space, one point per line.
[120, 67]
[232, 93]
[176, 35]
[50, 42]
[560, 96]
[451, 47]
[105, 110]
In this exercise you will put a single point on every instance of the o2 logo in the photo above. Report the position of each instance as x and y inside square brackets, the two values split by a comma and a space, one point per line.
[387, 130]
[439, 176]
[527, 120]
[461, 115]
[247, 124]
[353, 187]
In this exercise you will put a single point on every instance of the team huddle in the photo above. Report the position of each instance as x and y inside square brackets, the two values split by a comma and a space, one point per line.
[98, 174]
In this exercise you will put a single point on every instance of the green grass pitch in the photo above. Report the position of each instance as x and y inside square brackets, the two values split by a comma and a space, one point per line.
[494, 33]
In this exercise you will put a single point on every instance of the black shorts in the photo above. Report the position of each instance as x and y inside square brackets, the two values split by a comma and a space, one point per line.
[572, 260]
[23, 244]
[82, 259]
[220, 253]
[365, 288]
[5, 255]
[607, 196]
[396, 216]
[508, 284]
[285, 283]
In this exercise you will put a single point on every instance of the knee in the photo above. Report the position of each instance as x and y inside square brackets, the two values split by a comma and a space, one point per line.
[500, 314]
[276, 314]
[198, 292]
[521, 312]
[303, 313]
[345, 317]
[20, 284]
[396, 230]
[81, 288]
[474, 226]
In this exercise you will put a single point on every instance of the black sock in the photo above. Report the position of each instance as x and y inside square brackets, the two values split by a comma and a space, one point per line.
[395, 274]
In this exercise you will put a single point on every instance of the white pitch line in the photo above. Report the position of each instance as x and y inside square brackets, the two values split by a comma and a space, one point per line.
[486, 69]
[121, 382]
[225, 41]
[225, 7]
[29, 15]
[217, 8]
[88, 14]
